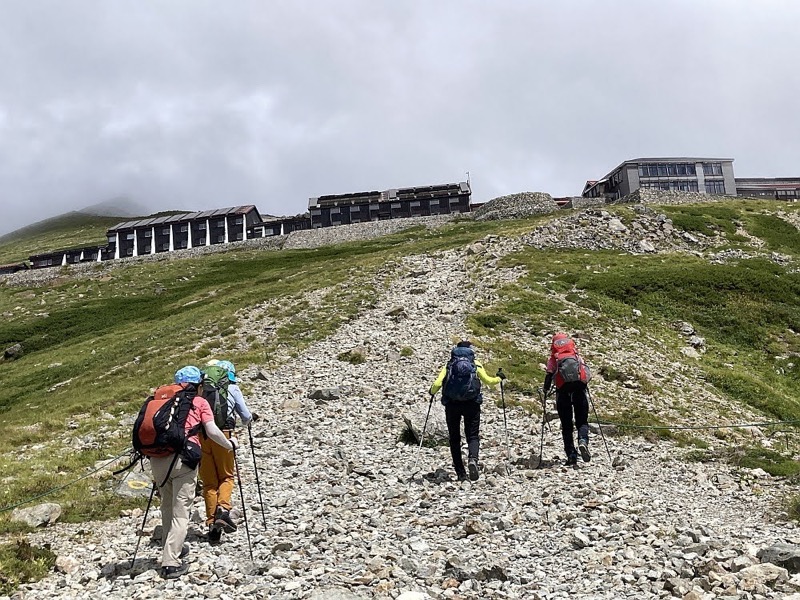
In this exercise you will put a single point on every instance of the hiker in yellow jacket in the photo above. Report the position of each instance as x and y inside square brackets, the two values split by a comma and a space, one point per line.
[460, 381]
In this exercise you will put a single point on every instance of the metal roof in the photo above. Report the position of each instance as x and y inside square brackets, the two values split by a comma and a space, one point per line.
[181, 217]
[423, 191]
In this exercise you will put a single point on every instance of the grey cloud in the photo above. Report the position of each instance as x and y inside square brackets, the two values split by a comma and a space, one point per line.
[201, 104]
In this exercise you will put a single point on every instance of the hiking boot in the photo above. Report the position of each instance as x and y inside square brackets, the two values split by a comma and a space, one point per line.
[583, 446]
[184, 551]
[473, 469]
[461, 476]
[572, 459]
[224, 521]
[214, 536]
[174, 572]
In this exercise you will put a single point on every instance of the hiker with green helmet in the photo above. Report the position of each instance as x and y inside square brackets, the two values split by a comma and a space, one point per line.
[176, 474]
[217, 469]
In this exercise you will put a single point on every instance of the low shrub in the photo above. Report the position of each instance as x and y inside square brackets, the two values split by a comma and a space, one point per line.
[354, 357]
[22, 563]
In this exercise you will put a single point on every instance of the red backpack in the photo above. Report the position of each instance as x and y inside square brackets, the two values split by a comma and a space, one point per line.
[570, 367]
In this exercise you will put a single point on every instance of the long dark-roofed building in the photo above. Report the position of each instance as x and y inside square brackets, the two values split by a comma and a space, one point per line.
[778, 188]
[359, 207]
[69, 256]
[183, 230]
[176, 231]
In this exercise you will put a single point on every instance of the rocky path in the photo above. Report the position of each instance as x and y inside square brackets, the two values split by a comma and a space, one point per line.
[348, 516]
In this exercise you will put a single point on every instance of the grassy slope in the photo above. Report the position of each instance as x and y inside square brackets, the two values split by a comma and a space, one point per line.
[67, 231]
[114, 337]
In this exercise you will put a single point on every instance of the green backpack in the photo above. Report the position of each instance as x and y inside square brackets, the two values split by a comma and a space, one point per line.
[215, 390]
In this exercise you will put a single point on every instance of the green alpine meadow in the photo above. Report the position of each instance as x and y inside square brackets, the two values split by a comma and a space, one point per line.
[96, 341]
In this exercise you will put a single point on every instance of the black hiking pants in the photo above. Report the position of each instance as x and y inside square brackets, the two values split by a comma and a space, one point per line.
[572, 398]
[471, 411]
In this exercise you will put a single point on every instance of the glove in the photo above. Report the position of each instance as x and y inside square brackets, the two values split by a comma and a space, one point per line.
[235, 443]
[501, 375]
[255, 416]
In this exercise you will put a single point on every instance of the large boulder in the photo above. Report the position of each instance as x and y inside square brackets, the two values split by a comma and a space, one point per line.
[782, 555]
[436, 428]
[37, 516]
[13, 352]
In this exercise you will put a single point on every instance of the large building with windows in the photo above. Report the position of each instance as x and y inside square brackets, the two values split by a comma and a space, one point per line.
[684, 174]
[169, 232]
[420, 201]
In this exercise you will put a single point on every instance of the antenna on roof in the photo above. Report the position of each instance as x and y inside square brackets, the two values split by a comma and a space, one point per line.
[468, 182]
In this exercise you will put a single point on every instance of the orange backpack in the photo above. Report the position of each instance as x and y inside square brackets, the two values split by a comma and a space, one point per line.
[159, 429]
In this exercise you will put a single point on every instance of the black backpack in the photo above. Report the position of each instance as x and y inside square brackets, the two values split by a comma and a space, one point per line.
[159, 429]
[462, 383]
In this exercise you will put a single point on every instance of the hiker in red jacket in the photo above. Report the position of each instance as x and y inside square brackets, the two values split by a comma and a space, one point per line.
[571, 375]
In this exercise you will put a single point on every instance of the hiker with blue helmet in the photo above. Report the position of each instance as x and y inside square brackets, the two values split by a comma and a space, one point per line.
[217, 468]
[176, 475]
[460, 381]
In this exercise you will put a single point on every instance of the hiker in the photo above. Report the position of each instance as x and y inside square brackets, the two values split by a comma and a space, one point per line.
[217, 466]
[571, 375]
[176, 475]
[460, 381]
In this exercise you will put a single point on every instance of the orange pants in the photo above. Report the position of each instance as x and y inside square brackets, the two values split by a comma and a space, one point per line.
[216, 473]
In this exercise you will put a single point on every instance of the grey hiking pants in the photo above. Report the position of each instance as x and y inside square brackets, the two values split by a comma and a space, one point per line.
[177, 495]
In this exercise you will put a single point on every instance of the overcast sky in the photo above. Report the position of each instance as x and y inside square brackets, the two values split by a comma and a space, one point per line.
[200, 103]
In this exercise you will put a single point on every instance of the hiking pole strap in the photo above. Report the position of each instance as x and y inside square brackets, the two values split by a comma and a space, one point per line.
[169, 471]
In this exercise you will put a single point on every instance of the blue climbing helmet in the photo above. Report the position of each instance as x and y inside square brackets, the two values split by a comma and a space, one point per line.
[188, 375]
[228, 366]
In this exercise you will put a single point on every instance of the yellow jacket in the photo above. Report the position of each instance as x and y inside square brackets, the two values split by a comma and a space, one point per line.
[482, 375]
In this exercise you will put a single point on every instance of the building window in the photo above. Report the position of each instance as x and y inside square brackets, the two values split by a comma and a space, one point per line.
[712, 168]
[662, 170]
[395, 205]
[238, 221]
[201, 226]
[715, 187]
[674, 185]
[148, 233]
[129, 236]
[184, 228]
[165, 231]
[335, 211]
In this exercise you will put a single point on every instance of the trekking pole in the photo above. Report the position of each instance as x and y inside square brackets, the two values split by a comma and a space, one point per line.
[599, 426]
[258, 483]
[422, 435]
[505, 421]
[543, 398]
[544, 410]
[244, 510]
[141, 529]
